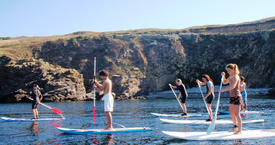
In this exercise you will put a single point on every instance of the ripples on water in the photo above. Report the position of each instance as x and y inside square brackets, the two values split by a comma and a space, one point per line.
[127, 113]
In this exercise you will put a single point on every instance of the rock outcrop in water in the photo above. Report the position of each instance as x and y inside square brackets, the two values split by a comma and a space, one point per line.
[140, 61]
[58, 84]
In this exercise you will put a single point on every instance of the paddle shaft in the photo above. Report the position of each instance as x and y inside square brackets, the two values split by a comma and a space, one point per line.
[176, 97]
[41, 104]
[203, 99]
[94, 90]
[212, 125]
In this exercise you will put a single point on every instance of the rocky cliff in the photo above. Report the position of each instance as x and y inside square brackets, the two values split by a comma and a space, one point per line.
[140, 61]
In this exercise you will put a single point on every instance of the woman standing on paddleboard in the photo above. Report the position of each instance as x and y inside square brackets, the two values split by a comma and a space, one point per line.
[244, 94]
[209, 97]
[234, 82]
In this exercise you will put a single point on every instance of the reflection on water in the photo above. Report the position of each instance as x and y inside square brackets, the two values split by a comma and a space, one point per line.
[35, 128]
[109, 140]
[128, 114]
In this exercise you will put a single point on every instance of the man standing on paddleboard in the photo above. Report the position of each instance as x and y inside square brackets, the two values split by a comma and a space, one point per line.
[37, 97]
[106, 87]
[182, 95]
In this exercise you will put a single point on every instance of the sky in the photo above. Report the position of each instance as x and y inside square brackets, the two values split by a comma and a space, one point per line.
[58, 17]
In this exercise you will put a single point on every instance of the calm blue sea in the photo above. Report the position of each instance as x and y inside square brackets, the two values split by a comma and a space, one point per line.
[127, 113]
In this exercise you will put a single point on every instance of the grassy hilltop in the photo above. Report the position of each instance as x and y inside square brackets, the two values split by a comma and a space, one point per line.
[140, 61]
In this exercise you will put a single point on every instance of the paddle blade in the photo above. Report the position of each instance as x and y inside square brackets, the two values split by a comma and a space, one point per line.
[211, 128]
[56, 111]
[94, 115]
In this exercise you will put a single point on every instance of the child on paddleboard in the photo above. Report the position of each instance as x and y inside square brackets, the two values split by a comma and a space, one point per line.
[37, 97]
[106, 87]
[244, 94]
[234, 82]
[182, 95]
[210, 95]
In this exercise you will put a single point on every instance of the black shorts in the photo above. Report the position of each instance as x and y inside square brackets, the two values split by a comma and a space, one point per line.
[34, 105]
[182, 99]
[235, 100]
[209, 99]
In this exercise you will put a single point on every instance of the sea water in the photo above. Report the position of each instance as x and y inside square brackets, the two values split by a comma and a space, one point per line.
[128, 114]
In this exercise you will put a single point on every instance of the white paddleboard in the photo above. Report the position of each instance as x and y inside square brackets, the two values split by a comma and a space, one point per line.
[28, 120]
[176, 115]
[224, 135]
[242, 112]
[180, 121]
[102, 131]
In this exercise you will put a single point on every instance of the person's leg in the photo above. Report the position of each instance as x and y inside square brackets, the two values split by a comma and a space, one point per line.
[238, 118]
[37, 115]
[245, 106]
[210, 112]
[184, 108]
[109, 120]
[231, 110]
[34, 113]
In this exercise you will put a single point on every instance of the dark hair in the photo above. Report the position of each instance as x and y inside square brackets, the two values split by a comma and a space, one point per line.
[35, 85]
[242, 78]
[104, 73]
[207, 77]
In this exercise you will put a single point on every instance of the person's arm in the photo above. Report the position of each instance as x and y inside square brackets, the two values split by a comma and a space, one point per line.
[41, 97]
[179, 96]
[225, 80]
[174, 87]
[98, 85]
[186, 94]
[231, 86]
[209, 92]
[245, 90]
[201, 83]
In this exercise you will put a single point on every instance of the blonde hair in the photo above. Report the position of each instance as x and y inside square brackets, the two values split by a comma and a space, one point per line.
[233, 67]
[179, 81]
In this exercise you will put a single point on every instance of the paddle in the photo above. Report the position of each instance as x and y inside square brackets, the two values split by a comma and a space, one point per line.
[202, 98]
[212, 125]
[176, 96]
[57, 111]
[94, 89]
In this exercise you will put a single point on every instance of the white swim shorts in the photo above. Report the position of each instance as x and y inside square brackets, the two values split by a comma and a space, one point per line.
[108, 102]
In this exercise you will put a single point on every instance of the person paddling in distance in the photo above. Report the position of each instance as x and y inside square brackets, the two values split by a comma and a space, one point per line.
[37, 97]
[244, 94]
[210, 95]
[234, 82]
[182, 95]
[106, 87]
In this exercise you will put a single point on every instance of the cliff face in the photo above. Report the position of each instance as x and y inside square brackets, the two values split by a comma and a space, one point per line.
[144, 61]
[58, 84]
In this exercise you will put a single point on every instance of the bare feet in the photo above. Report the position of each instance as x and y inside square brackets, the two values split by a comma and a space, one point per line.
[108, 127]
[233, 130]
[238, 132]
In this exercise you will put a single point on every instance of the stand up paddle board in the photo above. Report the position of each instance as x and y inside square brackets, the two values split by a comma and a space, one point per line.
[28, 120]
[205, 122]
[224, 135]
[245, 112]
[176, 115]
[102, 131]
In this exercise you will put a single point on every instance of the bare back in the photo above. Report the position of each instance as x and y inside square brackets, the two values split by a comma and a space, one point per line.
[107, 86]
[243, 86]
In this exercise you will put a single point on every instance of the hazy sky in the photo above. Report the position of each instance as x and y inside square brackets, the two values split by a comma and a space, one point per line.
[57, 17]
